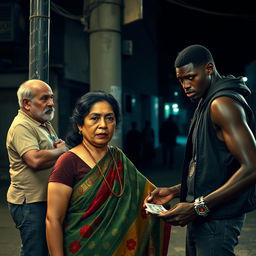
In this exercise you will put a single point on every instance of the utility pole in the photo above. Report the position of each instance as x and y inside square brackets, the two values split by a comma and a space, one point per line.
[39, 40]
[105, 51]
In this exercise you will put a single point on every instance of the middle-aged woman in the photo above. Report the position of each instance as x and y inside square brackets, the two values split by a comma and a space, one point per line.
[95, 193]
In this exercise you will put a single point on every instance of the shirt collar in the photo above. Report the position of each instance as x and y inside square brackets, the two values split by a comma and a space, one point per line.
[33, 120]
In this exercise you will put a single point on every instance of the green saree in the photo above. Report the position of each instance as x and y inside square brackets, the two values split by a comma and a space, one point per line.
[98, 223]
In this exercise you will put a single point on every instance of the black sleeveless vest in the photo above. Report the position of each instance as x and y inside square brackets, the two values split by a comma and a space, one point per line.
[214, 163]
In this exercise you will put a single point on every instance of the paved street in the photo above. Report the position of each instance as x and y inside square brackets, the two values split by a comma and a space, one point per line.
[160, 176]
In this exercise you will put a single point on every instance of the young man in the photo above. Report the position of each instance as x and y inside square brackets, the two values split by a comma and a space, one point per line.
[219, 172]
[33, 148]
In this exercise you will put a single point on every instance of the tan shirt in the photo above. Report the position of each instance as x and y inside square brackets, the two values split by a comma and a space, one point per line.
[27, 184]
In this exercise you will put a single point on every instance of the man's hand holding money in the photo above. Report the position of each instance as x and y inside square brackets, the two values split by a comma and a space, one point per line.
[154, 208]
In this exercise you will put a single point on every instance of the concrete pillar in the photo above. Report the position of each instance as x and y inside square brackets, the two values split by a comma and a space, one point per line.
[39, 40]
[105, 51]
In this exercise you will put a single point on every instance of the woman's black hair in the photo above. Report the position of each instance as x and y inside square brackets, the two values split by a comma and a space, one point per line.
[81, 110]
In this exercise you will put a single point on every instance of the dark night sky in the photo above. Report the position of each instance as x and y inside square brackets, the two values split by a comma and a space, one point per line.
[231, 39]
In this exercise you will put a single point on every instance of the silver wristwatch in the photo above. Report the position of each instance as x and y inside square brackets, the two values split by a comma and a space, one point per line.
[200, 207]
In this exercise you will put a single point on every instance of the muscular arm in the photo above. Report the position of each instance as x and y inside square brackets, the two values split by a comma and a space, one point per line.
[230, 118]
[44, 158]
[57, 203]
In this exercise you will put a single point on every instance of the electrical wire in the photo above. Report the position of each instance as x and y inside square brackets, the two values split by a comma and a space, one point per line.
[202, 10]
[61, 11]
[85, 17]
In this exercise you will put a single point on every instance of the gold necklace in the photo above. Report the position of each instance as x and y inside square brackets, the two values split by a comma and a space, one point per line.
[101, 172]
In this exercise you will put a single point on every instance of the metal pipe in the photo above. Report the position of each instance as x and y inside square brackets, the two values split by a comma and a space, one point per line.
[39, 40]
[105, 50]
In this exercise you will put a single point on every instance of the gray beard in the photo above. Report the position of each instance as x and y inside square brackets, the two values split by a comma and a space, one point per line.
[48, 117]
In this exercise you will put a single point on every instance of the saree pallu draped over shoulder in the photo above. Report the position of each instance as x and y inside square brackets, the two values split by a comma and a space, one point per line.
[98, 223]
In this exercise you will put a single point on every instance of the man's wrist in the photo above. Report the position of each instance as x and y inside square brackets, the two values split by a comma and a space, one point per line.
[176, 190]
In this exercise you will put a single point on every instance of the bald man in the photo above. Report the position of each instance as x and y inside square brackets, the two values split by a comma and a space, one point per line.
[33, 147]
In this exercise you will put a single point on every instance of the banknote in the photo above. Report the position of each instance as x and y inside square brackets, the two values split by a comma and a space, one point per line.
[154, 208]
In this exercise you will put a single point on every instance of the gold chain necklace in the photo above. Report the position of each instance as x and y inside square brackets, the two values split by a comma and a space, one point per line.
[101, 172]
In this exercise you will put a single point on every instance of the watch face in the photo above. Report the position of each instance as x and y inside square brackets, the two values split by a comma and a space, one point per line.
[202, 210]
[200, 207]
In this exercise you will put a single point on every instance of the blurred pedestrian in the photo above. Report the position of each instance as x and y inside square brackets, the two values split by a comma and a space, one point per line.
[167, 136]
[134, 144]
[148, 144]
